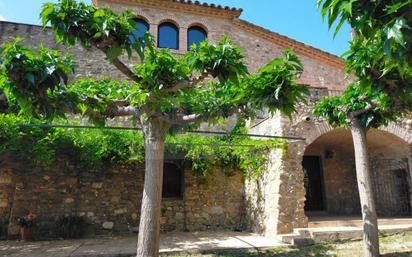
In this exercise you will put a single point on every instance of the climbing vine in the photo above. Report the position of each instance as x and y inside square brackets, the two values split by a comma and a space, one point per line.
[94, 148]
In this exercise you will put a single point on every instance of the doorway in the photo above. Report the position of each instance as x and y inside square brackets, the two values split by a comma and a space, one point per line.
[313, 180]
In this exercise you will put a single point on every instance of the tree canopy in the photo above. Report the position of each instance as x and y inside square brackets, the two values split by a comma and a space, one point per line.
[380, 57]
[208, 83]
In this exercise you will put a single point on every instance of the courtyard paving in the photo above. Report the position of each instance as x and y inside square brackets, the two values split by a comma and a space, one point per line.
[197, 242]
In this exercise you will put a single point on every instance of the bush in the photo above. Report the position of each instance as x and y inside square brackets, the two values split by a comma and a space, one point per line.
[95, 148]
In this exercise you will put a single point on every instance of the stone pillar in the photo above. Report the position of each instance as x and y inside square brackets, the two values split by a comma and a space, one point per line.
[262, 196]
[273, 195]
[276, 200]
[292, 190]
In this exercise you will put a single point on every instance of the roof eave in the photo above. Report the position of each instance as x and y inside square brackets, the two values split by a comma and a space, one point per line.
[196, 6]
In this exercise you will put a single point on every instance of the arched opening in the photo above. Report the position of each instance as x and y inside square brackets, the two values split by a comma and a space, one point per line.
[168, 36]
[330, 175]
[195, 35]
[141, 26]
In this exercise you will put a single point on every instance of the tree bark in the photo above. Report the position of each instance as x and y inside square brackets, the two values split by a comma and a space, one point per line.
[149, 228]
[363, 174]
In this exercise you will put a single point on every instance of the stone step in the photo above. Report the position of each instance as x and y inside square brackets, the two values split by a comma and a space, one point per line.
[307, 236]
[303, 232]
[332, 234]
[287, 238]
[296, 240]
[355, 222]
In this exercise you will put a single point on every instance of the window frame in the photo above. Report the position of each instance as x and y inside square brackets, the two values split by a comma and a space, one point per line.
[142, 21]
[181, 169]
[198, 27]
[173, 25]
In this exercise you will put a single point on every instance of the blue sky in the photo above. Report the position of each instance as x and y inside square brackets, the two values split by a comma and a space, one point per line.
[297, 19]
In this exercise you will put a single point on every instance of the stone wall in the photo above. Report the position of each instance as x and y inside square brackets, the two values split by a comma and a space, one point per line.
[113, 195]
[341, 195]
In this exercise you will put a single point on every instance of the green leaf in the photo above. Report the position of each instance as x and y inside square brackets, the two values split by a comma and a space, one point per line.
[99, 13]
[347, 8]
[396, 6]
[113, 52]
[30, 77]
[395, 32]
[339, 26]
[47, 10]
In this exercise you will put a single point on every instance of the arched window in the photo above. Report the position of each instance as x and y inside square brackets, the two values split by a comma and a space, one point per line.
[172, 181]
[195, 35]
[168, 36]
[141, 27]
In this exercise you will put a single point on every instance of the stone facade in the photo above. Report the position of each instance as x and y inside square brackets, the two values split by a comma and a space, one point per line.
[112, 197]
[391, 143]
[271, 205]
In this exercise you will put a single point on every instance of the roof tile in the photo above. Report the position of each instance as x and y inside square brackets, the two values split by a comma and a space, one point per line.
[239, 10]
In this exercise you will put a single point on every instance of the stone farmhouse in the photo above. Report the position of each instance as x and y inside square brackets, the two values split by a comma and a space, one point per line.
[313, 178]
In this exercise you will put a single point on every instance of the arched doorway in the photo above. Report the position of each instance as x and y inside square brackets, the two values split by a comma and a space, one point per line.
[330, 175]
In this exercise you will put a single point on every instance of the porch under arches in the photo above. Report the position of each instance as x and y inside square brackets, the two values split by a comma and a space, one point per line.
[330, 178]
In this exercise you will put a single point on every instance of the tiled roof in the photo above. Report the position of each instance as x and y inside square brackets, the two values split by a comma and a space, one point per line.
[211, 9]
[228, 8]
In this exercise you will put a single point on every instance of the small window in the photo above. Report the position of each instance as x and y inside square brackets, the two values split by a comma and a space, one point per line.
[141, 27]
[168, 36]
[195, 35]
[172, 181]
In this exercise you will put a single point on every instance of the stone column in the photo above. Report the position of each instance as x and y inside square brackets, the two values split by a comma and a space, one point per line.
[262, 196]
[274, 216]
[294, 173]
[290, 200]
[276, 201]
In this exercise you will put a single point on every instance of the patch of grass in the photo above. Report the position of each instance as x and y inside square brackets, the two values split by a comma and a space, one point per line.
[399, 245]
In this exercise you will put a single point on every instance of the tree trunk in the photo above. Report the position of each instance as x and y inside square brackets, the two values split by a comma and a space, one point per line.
[149, 228]
[363, 174]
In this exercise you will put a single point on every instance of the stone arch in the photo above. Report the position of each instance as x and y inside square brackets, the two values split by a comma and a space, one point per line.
[200, 25]
[333, 154]
[142, 17]
[169, 20]
[399, 131]
[320, 128]
[142, 14]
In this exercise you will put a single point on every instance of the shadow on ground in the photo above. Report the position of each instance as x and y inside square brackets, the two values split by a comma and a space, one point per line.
[401, 254]
[309, 251]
